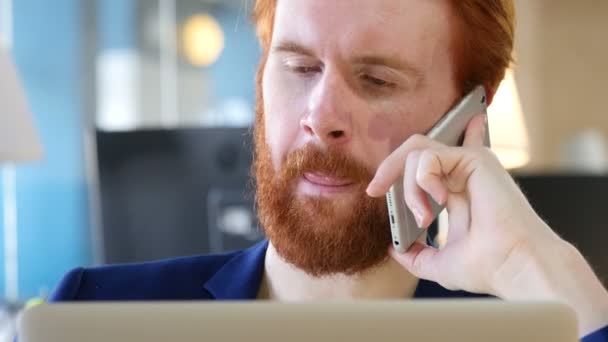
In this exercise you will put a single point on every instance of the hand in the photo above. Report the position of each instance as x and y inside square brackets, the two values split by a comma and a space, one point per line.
[496, 243]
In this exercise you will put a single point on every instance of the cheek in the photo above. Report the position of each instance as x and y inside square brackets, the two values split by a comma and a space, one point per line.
[388, 128]
[391, 130]
[281, 118]
[392, 127]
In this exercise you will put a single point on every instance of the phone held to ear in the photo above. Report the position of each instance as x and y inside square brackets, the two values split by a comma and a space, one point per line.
[449, 130]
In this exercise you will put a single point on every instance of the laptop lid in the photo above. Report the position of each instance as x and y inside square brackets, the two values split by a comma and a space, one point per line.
[456, 320]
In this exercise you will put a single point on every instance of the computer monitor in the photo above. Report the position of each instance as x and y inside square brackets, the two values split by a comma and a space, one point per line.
[575, 207]
[167, 193]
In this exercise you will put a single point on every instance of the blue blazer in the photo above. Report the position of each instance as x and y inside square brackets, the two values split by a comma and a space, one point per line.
[229, 276]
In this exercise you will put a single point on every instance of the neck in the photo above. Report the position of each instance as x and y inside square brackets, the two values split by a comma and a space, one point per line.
[284, 282]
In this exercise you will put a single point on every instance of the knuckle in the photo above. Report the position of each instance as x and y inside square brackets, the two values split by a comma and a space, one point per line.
[418, 139]
[427, 155]
[423, 178]
[417, 264]
[484, 151]
[412, 157]
[409, 197]
[477, 152]
[491, 155]
[485, 155]
[411, 161]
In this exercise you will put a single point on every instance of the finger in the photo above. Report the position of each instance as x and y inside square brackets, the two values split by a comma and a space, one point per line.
[445, 170]
[459, 218]
[392, 167]
[475, 134]
[420, 260]
[415, 197]
[430, 177]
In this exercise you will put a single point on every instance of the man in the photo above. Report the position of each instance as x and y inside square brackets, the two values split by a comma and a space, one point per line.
[343, 93]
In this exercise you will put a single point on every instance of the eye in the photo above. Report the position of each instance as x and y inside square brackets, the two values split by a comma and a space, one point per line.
[305, 69]
[376, 81]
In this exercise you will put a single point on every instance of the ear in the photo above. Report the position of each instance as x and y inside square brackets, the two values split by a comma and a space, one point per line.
[490, 92]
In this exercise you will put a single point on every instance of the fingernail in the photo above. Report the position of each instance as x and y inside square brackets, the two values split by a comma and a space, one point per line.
[485, 125]
[418, 216]
[370, 189]
[372, 194]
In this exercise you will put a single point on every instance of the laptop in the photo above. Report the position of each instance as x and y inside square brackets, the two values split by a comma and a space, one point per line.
[419, 320]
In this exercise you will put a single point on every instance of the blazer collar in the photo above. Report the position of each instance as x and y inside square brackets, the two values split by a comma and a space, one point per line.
[241, 276]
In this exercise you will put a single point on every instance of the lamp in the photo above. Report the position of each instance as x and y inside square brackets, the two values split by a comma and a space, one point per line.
[508, 132]
[18, 142]
[202, 40]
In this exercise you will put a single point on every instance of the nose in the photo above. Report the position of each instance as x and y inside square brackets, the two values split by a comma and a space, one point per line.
[329, 118]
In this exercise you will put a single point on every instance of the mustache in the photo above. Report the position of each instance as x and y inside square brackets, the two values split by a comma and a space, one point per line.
[331, 162]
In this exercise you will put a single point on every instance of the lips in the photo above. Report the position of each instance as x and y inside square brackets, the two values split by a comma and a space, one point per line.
[327, 181]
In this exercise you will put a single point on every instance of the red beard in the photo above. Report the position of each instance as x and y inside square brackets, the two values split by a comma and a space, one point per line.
[316, 234]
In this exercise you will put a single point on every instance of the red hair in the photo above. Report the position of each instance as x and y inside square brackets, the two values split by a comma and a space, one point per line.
[484, 39]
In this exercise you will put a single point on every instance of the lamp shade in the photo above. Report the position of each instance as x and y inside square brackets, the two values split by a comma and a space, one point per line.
[507, 126]
[18, 139]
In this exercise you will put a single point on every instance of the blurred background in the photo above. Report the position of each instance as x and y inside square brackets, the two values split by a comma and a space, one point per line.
[144, 107]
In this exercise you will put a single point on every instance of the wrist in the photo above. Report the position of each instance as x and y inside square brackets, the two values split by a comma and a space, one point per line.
[526, 273]
[555, 271]
[581, 289]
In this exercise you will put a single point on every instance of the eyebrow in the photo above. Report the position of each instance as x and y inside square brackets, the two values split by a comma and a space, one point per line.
[390, 62]
[292, 47]
[393, 63]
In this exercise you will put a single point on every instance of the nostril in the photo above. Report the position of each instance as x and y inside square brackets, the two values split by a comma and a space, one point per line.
[308, 130]
[336, 134]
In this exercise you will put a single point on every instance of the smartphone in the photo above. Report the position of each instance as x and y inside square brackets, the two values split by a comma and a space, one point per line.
[449, 130]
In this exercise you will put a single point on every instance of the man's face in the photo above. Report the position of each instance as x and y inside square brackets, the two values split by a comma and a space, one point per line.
[344, 84]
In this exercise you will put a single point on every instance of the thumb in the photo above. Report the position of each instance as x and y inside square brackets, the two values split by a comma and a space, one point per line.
[476, 133]
[420, 260]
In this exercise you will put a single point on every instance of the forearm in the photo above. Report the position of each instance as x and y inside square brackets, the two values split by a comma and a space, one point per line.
[583, 291]
[556, 271]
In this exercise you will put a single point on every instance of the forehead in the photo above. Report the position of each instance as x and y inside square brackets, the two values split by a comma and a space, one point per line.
[388, 26]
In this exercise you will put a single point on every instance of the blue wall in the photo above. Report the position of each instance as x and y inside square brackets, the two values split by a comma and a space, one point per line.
[116, 24]
[51, 195]
[233, 75]
[54, 231]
